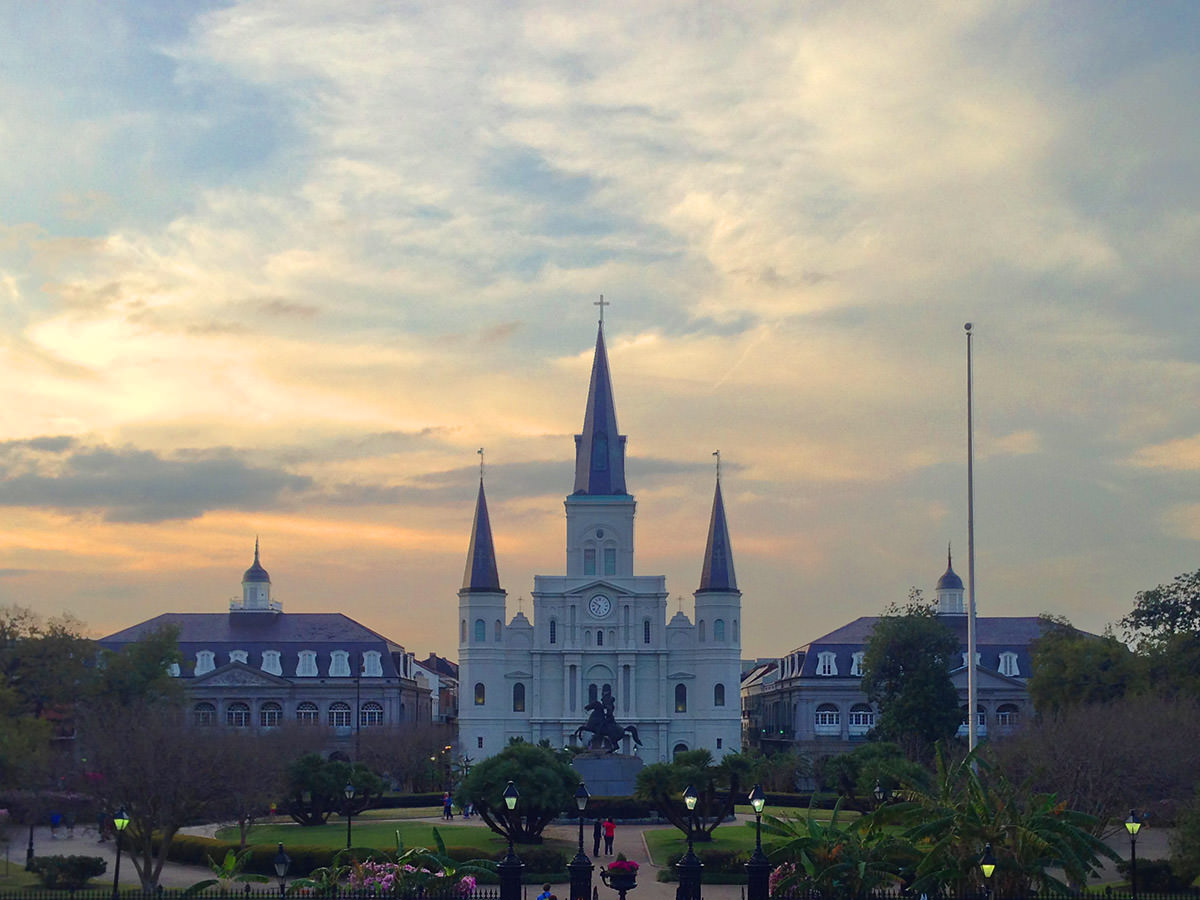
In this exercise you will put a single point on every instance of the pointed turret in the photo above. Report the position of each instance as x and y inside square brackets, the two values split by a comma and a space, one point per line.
[949, 590]
[481, 574]
[718, 555]
[600, 450]
[256, 588]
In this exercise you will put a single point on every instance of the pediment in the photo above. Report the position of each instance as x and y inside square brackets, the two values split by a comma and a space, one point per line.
[985, 678]
[237, 674]
[590, 587]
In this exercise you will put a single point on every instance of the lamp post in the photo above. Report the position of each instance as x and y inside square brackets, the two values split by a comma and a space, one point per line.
[1133, 825]
[282, 863]
[29, 849]
[880, 793]
[987, 865]
[511, 866]
[690, 868]
[120, 822]
[758, 869]
[348, 793]
[581, 867]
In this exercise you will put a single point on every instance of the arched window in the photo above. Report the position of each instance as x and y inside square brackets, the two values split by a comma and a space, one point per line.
[678, 748]
[307, 713]
[519, 697]
[599, 638]
[589, 560]
[306, 664]
[828, 719]
[703, 638]
[205, 661]
[237, 715]
[718, 695]
[238, 656]
[270, 662]
[462, 631]
[735, 630]
[553, 631]
[719, 630]
[587, 638]
[339, 664]
[480, 693]
[204, 714]
[980, 718]
[480, 630]
[269, 715]
[499, 626]
[339, 714]
[862, 718]
[645, 631]
[370, 714]
[681, 698]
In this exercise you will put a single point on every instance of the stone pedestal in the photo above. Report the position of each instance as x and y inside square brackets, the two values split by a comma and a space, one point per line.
[608, 774]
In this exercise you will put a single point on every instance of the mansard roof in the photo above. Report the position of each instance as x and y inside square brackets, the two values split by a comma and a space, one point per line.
[600, 450]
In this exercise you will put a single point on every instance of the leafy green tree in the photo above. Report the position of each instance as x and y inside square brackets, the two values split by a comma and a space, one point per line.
[969, 805]
[316, 788]
[1185, 843]
[544, 778]
[882, 763]
[46, 662]
[1165, 611]
[717, 789]
[906, 672]
[24, 743]
[139, 671]
[1071, 667]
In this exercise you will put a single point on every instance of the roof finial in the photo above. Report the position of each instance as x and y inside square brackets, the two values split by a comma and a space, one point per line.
[948, 559]
[601, 303]
[255, 548]
[717, 454]
[480, 452]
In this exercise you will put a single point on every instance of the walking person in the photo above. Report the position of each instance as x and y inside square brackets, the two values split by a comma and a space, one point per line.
[447, 808]
[597, 833]
[610, 832]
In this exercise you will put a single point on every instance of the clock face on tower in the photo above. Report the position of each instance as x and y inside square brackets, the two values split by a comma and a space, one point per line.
[599, 606]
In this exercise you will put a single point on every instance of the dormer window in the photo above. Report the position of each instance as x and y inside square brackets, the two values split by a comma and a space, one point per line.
[827, 664]
[339, 664]
[856, 664]
[1008, 664]
[372, 664]
[967, 659]
[306, 664]
[238, 656]
[205, 661]
[270, 663]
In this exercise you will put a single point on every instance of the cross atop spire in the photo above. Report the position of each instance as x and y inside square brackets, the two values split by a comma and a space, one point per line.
[480, 452]
[601, 303]
[717, 454]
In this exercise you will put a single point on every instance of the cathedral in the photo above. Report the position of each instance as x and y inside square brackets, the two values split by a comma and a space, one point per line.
[600, 630]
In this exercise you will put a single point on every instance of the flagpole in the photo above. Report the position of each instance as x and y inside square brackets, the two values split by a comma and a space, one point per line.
[972, 682]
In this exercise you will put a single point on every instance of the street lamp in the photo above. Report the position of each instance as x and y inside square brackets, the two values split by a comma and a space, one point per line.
[581, 867]
[987, 865]
[1133, 825]
[690, 868]
[880, 793]
[348, 793]
[120, 822]
[282, 863]
[758, 869]
[511, 866]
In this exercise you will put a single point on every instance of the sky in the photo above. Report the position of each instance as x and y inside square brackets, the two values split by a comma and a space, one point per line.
[280, 269]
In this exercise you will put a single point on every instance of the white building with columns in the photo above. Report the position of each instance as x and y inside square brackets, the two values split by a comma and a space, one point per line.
[600, 623]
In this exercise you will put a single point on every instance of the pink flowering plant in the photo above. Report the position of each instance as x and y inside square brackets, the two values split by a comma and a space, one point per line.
[622, 866]
[418, 871]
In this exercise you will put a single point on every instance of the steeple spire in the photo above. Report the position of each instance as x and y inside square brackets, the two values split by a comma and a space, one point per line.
[718, 555]
[600, 450]
[481, 574]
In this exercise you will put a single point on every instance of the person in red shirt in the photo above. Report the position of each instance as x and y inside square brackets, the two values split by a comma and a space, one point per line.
[610, 832]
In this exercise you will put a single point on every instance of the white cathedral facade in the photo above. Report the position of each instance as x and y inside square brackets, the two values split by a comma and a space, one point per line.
[600, 624]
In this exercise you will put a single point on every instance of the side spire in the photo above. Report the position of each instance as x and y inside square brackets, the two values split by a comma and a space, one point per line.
[600, 450]
[481, 574]
[718, 572]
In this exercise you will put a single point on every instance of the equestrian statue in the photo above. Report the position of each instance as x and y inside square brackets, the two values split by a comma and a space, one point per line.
[602, 724]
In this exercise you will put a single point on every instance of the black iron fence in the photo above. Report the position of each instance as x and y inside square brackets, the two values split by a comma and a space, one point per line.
[240, 893]
[1090, 894]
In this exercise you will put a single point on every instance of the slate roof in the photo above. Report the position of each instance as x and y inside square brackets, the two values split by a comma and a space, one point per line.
[600, 450]
[718, 574]
[993, 635]
[481, 573]
[255, 632]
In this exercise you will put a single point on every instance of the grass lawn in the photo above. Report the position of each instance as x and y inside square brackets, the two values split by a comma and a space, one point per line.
[382, 835]
[662, 842]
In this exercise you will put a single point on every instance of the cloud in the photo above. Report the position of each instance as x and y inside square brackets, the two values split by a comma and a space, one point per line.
[124, 484]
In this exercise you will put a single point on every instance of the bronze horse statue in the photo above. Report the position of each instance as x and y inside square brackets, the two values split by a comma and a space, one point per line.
[601, 724]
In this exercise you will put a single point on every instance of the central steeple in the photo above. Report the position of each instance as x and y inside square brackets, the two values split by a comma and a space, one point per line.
[600, 450]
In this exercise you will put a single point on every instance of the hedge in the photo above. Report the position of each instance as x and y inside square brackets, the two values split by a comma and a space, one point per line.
[67, 871]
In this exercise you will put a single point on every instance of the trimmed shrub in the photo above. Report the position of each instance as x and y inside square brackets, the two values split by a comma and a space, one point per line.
[725, 862]
[1154, 876]
[67, 871]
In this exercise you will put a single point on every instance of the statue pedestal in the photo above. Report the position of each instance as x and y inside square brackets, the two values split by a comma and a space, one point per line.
[608, 774]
